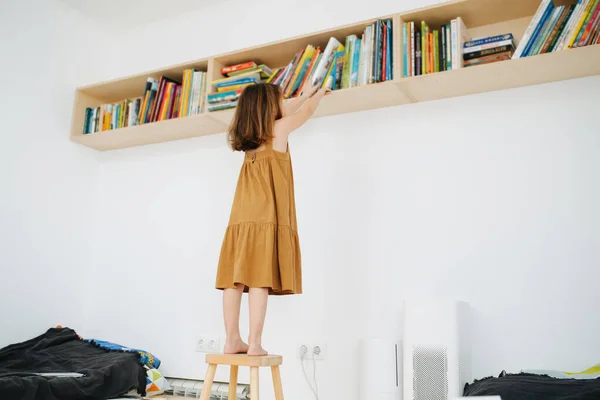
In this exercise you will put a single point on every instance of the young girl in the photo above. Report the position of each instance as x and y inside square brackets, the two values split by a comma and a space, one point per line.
[261, 252]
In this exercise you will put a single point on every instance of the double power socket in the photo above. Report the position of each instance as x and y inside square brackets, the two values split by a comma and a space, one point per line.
[312, 351]
[208, 344]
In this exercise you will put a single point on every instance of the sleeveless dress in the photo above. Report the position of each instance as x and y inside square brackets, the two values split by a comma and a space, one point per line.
[261, 246]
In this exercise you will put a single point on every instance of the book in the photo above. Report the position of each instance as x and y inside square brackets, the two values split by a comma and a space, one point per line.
[545, 31]
[323, 65]
[224, 96]
[418, 53]
[347, 61]
[412, 52]
[389, 48]
[559, 46]
[405, 50]
[489, 59]
[459, 36]
[486, 52]
[254, 75]
[237, 67]
[355, 63]
[300, 70]
[424, 48]
[443, 45]
[584, 20]
[448, 47]
[264, 71]
[383, 76]
[557, 31]
[505, 41]
[436, 51]
[588, 25]
[371, 55]
[530, 29]
[222, 106]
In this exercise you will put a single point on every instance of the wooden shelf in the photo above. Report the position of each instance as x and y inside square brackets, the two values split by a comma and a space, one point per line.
[544, 68]
[482, 18]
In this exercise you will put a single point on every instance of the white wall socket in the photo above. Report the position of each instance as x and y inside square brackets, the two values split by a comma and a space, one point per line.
[316, 350]
[208, 344]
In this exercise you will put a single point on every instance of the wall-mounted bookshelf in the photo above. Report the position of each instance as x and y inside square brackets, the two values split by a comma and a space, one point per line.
[481, 17]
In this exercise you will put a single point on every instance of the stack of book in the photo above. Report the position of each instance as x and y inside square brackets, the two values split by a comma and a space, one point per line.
[488, 50]
[558, 28]
[163, 99]
[361, 61]
[237, 77]
[427, 51]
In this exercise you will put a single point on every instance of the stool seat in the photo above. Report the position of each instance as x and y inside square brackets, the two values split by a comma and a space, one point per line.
[244, 360]
[234, 361]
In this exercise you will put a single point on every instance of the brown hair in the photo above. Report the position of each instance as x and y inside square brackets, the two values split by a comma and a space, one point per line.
[259, 106]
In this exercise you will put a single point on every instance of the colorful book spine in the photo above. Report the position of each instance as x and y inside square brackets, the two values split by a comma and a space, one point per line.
[413, 60]
[424, 53]
[436, 51]
[488, 45]
[238, 67]
[405, 50]
[560, 29]
[546, 30]
[355, 63]
[529, 32]
[582, 22]
[587, 26]
[568, 27]
[539, 27]
[448, 47]
[418, 53]
[390, 52]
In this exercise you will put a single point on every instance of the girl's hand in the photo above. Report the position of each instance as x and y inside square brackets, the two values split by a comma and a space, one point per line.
[310, 90]
[322, 92]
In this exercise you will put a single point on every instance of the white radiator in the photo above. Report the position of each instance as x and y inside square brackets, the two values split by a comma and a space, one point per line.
[192, 389]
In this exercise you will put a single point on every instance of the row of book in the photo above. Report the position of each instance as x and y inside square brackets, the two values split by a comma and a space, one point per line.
[237, 77]
[360, 61]
[427, 50]
[163, 99]
[558, 28]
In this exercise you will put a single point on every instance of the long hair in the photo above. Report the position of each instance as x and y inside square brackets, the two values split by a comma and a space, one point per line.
[259, 106]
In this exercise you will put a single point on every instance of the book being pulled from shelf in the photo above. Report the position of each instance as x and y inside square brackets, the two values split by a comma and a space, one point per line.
[163, 99]
[559, 28]
[488, 50]
[427, 51]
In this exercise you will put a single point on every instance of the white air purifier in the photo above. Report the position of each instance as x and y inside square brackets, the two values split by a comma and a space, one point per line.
[380, 373]
[436, 353]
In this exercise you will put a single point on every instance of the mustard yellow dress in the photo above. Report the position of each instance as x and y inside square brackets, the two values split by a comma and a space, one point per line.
[261, 246]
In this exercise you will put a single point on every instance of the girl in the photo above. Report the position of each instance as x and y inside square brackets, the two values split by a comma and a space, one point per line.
[261, 252]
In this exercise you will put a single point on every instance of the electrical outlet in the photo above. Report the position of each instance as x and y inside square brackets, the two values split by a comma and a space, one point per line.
[319, 351]
[208, 344]
[312, 350]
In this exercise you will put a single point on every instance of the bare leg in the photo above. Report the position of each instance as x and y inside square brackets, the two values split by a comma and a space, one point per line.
[258, 309]
[232, 299]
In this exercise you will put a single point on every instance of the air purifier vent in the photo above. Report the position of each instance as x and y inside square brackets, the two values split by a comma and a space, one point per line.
[430, 373]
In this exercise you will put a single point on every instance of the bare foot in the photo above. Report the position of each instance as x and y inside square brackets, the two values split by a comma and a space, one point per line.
[256, 351]
[235, 347]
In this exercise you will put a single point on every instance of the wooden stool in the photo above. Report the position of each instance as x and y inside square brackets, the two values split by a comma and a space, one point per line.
[235, 361]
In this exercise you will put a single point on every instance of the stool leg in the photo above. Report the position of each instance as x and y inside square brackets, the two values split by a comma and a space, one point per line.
[208, 381]
[254, 383]
[277, 382]
[233, 378]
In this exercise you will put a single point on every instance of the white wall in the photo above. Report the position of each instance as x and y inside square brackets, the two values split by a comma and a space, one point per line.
[47, 181]
[490, 198]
